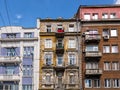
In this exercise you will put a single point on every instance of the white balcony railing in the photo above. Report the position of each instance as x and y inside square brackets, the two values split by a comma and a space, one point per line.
[93, 54]
[92, 37]
[93, 71]
[9, 77]
[8, 59]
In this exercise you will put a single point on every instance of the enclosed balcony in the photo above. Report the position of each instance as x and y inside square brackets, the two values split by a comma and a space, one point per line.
[92, 38]
[60, 33]
[9, 78]
[59, 49]
[93, 54]
[93, 71]
[9, 59]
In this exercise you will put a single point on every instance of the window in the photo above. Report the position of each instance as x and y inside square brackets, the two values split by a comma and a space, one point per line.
[27, 70]
[60, 44]
[113, 32]
[28, 50]
[28, 35]
[87, 16]
[88, 83]
[26, 87]
[48, 59]
[48, 43]
[48, 28]
[107, 83]
[9, 86]
[72, 43]
[113, 15]
[11, 51]
[96, 83]
[72, 78]
[59, 27]
[116, 83]
[10, 70]
[115, 65]
[72, 59]
[59, 60]
[95, 16]
[114, 49]
[11, 35]
[71, 28]
[104, 15]
[106, 49]
[91, 47]
[105, 32]
[91, 65]
[107, 66]
[48, 78]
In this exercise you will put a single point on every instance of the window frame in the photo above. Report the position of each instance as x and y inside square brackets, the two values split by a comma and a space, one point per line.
[48, 43]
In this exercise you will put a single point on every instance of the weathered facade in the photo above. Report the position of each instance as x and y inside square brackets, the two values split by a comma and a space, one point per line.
[60, 58]
[100, 27]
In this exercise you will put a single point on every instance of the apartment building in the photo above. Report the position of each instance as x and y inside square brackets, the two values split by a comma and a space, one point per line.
[59, 54]
[100, 27]
[19, 58]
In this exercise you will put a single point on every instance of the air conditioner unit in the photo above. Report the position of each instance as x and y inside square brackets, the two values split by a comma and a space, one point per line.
[106, 37]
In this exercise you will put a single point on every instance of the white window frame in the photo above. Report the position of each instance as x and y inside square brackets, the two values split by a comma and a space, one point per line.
[114, 49]
[107, 83]
[115, 65]
[88, 83]
[116, 83]
[105, 16]
[92, 48]
[97, 81]
[112, 15]
[113, 33]
[71, 28]
[107, 66]
[72, 78]
[59, 57]
[95, 16]
[71, 58]
[72, 43]
[48, 28]
[50, 54]
[48, 43]
[87, 16]
[91, 65]
[106, 49]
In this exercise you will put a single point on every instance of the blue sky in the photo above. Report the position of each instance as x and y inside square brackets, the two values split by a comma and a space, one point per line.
[25, 12]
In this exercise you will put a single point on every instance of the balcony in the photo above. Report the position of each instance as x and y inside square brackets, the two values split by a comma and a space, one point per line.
[92, 38]
[93, 54]
[59, 49]
[60, 33]
[18, 39]
[93, 71]
[9, 78]
[8, 59]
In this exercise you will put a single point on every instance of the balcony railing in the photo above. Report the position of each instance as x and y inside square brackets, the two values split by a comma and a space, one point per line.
[59, 49]
[9, 59]
[92, 37]
[19, 39]
[93, 54]
[9, 77]
[93, 71]
[60, 33]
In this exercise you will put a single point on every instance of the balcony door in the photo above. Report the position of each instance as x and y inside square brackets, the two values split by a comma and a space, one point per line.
[59, 60]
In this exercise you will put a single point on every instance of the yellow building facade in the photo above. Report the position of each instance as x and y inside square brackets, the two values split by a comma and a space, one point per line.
[59, 54]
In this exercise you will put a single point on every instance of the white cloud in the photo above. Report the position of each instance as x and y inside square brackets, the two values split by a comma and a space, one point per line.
[117, 1]
[18, 16]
